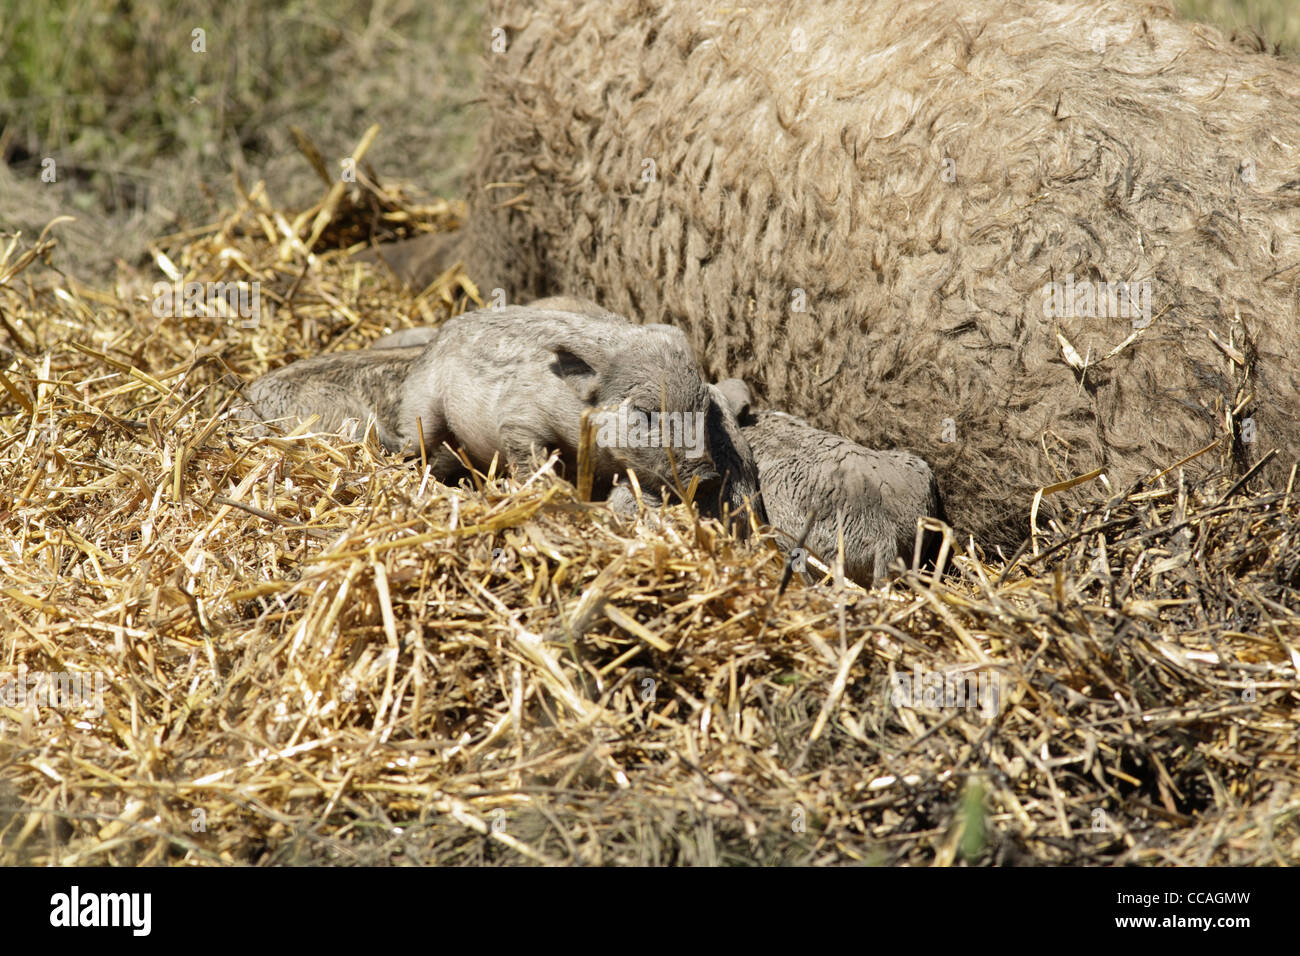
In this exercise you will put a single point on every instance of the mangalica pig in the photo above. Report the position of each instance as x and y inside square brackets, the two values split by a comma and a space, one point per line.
[514, 383]
[1027, 240]
[813, 480]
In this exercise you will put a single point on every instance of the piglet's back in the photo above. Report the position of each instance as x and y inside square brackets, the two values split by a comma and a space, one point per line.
[522, 333]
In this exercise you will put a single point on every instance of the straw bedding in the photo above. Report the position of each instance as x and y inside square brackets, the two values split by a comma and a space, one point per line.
[312, 654]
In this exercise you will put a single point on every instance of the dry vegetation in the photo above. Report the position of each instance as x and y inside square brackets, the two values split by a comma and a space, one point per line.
[310, 653]
[144, 130]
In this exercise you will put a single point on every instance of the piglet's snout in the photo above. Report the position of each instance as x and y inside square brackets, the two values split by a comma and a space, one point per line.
[710, 481]
[709, 484]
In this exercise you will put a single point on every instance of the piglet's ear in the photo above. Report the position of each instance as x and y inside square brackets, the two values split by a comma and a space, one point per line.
[577, 374]
[736, 392]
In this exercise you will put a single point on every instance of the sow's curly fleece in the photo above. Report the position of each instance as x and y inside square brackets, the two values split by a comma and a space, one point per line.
[861, 209]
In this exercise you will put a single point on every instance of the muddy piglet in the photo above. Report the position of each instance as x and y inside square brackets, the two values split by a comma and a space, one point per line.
[811, 478]
[516, 381]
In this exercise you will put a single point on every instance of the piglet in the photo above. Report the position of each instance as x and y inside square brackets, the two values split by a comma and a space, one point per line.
[815, 480]
[515, 383]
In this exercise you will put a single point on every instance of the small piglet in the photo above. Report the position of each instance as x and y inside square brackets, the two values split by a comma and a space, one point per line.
[737, 491]
[805, 473]
[515, 382]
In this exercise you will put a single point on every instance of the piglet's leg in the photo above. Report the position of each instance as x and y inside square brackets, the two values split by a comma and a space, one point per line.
[446, 466]
[622, 500]
[520, 446]
[884, 554]
[390, 439]
[431, 426]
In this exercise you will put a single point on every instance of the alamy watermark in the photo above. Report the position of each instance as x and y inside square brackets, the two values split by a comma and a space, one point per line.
[947, 689]
[1098, 300]
[242, 300]
[130, 910]
[61, 690]
[627, 427]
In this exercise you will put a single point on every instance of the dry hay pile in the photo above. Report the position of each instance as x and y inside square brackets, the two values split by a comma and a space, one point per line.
[311, 654]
